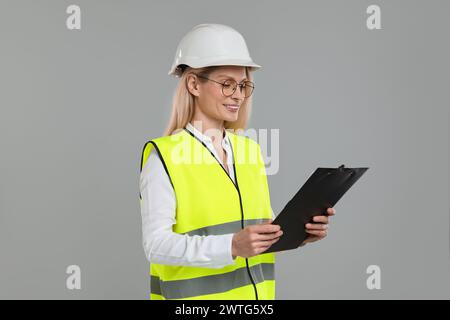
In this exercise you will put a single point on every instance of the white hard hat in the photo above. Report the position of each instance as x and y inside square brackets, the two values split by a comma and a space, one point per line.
[211, 45]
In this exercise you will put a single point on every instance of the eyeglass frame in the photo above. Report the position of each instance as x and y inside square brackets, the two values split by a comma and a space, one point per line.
[234, 90]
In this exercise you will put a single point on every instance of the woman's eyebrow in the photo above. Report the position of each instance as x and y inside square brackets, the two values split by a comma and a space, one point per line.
[226, 76]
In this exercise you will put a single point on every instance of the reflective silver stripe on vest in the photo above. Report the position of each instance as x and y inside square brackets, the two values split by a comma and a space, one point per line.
[154, 285]
[179, 289]
[224, 228]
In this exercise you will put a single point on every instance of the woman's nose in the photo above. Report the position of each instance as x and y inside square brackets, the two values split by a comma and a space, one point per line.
[238, 93]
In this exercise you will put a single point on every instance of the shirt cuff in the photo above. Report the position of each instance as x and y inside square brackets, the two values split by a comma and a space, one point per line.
[228, 240]
[219, 250]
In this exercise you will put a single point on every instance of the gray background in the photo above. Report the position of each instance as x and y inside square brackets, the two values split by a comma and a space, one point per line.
[78, 106]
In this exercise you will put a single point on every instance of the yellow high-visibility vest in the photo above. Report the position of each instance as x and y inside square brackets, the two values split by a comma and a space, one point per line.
[208, 202]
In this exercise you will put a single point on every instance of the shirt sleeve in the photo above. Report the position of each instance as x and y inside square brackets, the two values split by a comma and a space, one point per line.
[161, 244]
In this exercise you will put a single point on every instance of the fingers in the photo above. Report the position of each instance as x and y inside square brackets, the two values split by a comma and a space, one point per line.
[321, 219]
[324, 218]
[316, 226]
[318, 230]
[265, 244]
[264, 228]
[261, 250]
[267, 236]
[331, 211]
[319, 233]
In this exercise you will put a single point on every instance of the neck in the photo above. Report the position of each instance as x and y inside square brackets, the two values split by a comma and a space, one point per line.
[213, 128]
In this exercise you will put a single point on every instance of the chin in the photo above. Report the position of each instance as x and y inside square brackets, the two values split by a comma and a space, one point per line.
[230, 118]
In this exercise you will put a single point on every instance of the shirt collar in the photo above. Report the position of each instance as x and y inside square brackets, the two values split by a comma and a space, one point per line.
[204, 137]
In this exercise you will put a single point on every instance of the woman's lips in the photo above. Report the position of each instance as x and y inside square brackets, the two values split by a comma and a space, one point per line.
[232, 107]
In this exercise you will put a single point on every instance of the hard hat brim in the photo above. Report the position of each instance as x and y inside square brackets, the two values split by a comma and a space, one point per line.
[227, 62]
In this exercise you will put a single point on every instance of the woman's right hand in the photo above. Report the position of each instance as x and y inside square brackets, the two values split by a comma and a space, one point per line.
[255, 239]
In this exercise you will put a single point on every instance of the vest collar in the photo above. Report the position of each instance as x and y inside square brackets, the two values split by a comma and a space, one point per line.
[218, 162]
[204, 137]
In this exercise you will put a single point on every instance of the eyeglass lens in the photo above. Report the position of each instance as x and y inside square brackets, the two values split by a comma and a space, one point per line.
[230, 86]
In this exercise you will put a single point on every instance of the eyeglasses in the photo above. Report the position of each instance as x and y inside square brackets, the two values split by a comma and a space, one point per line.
[229, 86]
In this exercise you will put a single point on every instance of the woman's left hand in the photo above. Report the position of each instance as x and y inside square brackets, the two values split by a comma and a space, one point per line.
[318, 231]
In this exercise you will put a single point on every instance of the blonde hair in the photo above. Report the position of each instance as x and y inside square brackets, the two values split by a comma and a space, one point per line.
[183, 103]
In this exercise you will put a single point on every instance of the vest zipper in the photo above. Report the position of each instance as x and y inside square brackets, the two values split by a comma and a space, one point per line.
[240, 200]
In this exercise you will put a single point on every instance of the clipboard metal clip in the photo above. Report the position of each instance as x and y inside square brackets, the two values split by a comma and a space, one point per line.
[341, 167]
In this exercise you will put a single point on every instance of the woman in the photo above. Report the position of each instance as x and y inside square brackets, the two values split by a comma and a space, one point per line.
[206, 214]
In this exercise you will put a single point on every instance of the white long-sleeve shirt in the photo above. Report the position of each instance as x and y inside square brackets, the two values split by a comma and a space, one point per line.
[158, 207]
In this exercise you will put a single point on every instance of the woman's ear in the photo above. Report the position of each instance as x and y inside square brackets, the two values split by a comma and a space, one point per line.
[192, 84]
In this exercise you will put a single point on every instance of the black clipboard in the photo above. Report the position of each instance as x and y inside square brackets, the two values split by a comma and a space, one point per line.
[322, 190]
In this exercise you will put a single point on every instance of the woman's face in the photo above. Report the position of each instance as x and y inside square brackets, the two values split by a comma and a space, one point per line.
[210, 100]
